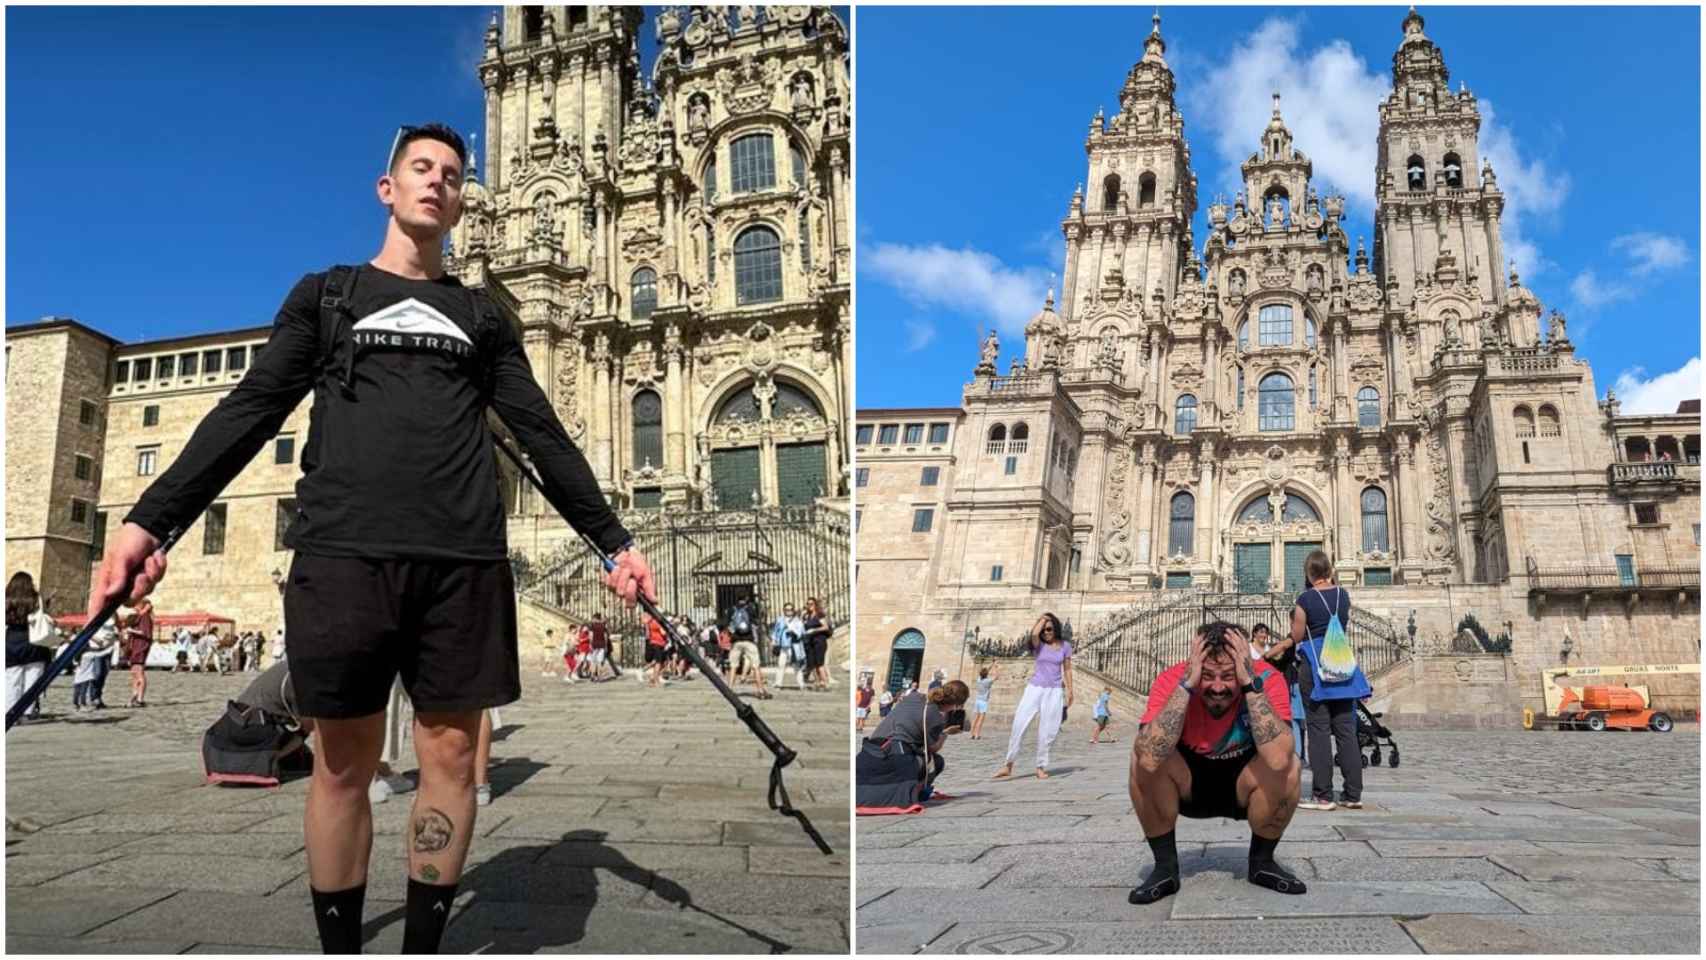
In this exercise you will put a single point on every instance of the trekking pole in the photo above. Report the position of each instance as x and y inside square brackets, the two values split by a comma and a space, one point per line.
[778, 794]
[78, 644]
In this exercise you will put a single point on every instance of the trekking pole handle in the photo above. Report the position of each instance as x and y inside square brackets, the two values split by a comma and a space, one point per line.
[79, 643]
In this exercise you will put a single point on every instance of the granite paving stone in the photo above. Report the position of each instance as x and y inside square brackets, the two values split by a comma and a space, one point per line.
[115, 845]
[1490, 827]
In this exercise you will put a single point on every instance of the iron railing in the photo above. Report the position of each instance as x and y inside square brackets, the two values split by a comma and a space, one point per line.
[1610, 578]
[702, 562]
[1134, 645]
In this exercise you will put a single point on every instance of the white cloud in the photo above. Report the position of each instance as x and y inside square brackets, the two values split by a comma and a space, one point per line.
[1593, 293]
[919, 333]
[1660, 394]
[967, 281]
[1652, 251]
[1329, 99]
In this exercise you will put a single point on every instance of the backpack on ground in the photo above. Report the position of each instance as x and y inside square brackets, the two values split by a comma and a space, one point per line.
[247, 745]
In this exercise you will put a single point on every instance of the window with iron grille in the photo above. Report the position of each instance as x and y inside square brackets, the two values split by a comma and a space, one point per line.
[286, 515]
[1181, 524]
[1274, 325]
[752, 160]
[1374, 535]
[862, 434]
[1276, 403]
[758, 266]
[645, 296]
[648, 429]
[213, 530]
[921, 520]
[930, 476]
[1646, 513]
[1377, 576]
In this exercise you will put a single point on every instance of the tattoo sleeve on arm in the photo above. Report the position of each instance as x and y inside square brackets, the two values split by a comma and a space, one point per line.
[1265, 724]
[1162, 734]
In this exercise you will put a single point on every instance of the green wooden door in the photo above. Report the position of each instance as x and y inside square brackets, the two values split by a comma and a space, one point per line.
[1251, 565]
[800, 472]
[1295, 554]
[906, 660]
[735, 474]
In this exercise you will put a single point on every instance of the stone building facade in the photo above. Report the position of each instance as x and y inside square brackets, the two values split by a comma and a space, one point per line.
[1204, 414]
[677, 247]
[690, 326]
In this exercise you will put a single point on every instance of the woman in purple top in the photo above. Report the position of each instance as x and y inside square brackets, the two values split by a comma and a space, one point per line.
[1047, 695]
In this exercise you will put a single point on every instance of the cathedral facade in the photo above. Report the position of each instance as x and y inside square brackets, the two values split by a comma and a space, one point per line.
[675, 245]
[1202, 412]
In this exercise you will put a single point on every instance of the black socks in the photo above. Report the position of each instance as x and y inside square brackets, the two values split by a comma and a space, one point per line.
[1265, 872]
[337, 914]
[1163, 881]
[425, 914]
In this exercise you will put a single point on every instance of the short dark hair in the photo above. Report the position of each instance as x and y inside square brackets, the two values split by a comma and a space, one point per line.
[1215, 636]
[431, 131]
[1260, 628]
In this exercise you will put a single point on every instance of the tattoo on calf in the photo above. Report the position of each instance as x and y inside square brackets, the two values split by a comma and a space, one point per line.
[432, 831]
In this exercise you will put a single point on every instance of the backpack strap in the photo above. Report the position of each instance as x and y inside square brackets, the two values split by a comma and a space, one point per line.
[487, 320]
[336, 288]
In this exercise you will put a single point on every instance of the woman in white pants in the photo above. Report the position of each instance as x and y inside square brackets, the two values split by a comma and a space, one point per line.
[1046, 697]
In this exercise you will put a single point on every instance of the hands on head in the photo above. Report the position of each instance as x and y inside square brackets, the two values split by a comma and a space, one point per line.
[130, 570]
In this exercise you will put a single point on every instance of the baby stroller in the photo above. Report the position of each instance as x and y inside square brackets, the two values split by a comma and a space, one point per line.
[1370, 731]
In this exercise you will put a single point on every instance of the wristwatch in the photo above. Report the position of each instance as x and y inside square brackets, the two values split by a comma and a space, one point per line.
[1254, 686]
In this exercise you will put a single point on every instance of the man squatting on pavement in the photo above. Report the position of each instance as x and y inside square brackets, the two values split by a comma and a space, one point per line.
[1216, 742]
[401, 561]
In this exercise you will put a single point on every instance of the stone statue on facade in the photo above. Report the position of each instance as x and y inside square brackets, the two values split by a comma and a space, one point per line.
[698, 113]
[1235, 284]
[1276, 212]
[986, 358]
[801, 92]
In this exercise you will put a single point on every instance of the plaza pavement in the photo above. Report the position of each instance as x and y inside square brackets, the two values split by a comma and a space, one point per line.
[1481, 842]
[613, 803]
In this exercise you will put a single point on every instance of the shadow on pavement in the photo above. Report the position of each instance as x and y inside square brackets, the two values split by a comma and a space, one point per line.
[512, 773]
[498, 880]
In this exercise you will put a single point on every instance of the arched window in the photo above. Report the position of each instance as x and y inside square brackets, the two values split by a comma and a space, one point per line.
[797, 158]
[1416, 173]
[1185, 414]
[1111, 192]
[741, 407]
[1274, 325]
[1308, 331]
[645, 296]
[1244, 336]
[752, 160]
[1374, 538]
[1453, 171]
[1524, 422]
[792, 399]
[1368, 407]
[1181, 524]
[997, 441]
[1636, 450]
[1296, 508]
[711, 181]
[1021, 438]
[648, 429]
[1276, 403]
[1146, 190]
[758, 266]
[1549, 423]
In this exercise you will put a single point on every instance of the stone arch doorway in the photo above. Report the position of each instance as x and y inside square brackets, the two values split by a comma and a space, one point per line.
[906, 659]
[1270, 536]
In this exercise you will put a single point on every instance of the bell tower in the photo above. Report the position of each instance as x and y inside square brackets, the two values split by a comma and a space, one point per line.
[1437, 212]
[1132, 226]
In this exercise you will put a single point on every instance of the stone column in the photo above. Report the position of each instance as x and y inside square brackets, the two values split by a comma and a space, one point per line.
[837, 212]
[1207, 509]
[1408, 481]
[1211, 353]
[1069, 279]
[1341, 492]
[603, 432]
[1146, 505]
[674, 408]
[492, 80]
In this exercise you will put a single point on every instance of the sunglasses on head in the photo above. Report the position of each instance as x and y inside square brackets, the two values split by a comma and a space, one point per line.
[397, 144]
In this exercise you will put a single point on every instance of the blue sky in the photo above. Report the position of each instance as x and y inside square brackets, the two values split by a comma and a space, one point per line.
[174, 170]
[971, 130]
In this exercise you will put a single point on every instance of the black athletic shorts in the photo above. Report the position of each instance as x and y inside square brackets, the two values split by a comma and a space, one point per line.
[1214, 786]
[446, 626]
[656, 654]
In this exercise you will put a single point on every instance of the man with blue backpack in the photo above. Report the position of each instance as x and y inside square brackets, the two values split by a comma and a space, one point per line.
[401, 561]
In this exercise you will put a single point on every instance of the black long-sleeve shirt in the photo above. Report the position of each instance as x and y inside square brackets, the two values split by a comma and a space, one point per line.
[398, 463]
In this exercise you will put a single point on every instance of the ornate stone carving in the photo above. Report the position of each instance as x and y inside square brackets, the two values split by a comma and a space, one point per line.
[1116, 539]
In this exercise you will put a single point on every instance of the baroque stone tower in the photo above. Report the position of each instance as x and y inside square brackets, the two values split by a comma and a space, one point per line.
[675, 246]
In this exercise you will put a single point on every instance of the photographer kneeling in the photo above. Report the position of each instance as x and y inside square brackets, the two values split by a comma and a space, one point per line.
[1216, 742]
[899, 763]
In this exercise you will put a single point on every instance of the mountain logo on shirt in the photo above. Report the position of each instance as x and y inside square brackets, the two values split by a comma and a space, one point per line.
[411, 324]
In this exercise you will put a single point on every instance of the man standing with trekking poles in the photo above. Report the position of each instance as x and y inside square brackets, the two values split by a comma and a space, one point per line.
[401, 558]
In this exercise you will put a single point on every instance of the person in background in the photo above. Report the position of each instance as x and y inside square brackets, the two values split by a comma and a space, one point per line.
[104, 666]
[1101, 715]
[399, 714]
[181, 640]
[786, 641]
[1281, 654]
[897, 765]
[816, 629]
[985, 685]
[277, 644]
[938, 678]
[490, 719]
[657, 652]
[89, 666]
[138, 634]
[862, 703]
[26, 626]
[885, 703]
[1336, 713]
[1047, 696]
